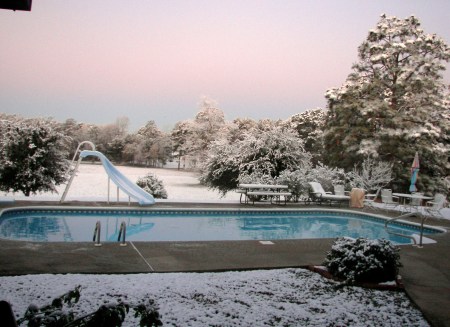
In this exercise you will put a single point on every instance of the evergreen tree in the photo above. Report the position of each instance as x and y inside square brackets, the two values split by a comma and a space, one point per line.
[393, 104]
[309, 126]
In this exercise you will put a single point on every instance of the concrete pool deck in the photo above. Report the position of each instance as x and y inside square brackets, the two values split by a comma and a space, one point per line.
[425, 271]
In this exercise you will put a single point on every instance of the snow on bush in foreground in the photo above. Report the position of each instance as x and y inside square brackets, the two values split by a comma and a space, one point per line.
[363, 260]
[279, 297]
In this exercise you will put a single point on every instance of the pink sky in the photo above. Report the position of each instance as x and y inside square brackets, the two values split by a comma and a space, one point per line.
[95, 61]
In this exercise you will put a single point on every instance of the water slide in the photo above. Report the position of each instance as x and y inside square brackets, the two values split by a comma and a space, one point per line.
[122, 182]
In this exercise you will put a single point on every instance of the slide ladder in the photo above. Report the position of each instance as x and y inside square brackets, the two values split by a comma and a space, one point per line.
[74, 167]
[122, 182]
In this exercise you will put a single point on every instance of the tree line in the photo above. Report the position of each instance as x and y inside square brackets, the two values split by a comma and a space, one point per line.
[393, 104]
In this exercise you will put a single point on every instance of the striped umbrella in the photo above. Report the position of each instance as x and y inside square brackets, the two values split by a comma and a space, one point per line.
[414, 172]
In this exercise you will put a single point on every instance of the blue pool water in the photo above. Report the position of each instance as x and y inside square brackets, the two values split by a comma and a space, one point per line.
[77, 225]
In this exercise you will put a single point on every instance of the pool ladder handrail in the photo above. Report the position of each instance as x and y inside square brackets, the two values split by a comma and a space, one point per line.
[415, 214]
[122, 232]
[74, 167]
[96, 237]
[97, 233]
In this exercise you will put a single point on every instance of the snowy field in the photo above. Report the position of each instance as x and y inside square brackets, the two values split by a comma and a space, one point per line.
[91, 182]
[279, 297]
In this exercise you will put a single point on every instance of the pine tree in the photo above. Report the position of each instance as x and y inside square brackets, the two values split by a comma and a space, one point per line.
[393, 104]
[309, 126]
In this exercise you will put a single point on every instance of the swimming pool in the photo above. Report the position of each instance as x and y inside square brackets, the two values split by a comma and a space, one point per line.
[43, 224]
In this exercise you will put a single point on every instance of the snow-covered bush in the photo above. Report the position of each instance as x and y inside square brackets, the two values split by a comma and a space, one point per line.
[151, 184]
[297, 181]
[372, 175]
[256, 177]
[33, 155]
[363, 260]
[109, 314]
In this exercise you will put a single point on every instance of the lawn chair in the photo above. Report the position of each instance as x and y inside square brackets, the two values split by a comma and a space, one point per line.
[388, 200]
[433, 208]
[340, 190]
[415, 203]
[318, 194]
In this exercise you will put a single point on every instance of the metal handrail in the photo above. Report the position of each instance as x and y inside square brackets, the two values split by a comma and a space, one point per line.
[75, 169]
[97, 230]
[122, 233]
[92, 145]
[415, 214]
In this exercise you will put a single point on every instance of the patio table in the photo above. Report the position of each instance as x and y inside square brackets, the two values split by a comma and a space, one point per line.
[405, 196]
[268, 190]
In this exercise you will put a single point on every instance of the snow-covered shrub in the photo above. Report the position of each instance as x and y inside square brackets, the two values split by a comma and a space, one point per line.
[372, 175]
[257, 177]
[363, 260]
[151, 184]
[54, 314]
[297, 182]
[109, 314]
[327, 176]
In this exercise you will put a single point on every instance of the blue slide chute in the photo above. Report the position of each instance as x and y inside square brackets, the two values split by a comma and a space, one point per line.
[122, 182]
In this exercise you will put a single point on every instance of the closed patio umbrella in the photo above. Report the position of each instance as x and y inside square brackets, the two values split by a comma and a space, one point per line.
[414, 172]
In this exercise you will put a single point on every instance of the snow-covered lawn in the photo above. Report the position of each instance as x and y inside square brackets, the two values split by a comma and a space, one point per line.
[91, 182]
[279, 297]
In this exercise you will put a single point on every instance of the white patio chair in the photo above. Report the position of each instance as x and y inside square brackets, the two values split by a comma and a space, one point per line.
[415, 203]
[318, 194]
[388, 200]
[433, 208]
[340, 190]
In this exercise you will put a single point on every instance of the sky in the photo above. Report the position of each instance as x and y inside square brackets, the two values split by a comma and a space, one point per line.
[96, 61]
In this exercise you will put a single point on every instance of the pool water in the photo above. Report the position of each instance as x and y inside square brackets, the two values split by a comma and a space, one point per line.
[77, 225]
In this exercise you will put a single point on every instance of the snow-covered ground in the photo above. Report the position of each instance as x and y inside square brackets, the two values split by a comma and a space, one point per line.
[91, 182]
[279, 297]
